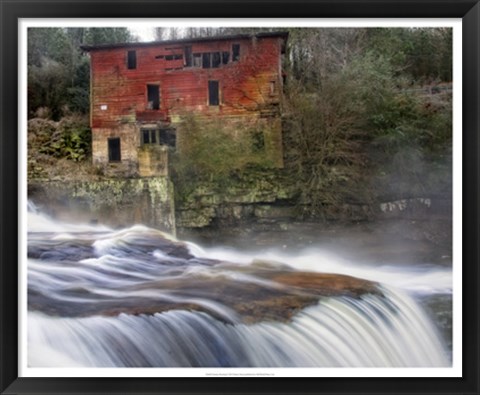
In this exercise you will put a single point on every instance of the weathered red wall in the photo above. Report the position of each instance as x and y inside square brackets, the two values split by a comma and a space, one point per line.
[245, 85]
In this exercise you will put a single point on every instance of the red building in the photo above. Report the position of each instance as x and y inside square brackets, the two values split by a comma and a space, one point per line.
[141, 91]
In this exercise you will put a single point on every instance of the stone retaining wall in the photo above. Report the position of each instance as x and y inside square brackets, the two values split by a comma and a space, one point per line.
[115, 202]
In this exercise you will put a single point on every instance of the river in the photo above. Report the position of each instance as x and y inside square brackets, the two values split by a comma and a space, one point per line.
[136, 297]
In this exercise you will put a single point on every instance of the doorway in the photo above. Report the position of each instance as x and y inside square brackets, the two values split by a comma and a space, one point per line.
[114, 150]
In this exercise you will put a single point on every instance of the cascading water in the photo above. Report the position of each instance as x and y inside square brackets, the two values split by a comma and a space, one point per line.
[137, 298]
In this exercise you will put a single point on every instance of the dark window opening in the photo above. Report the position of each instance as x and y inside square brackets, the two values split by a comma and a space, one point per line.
[168, 137]
[159, 136]
[206, 60]
[225, 57]
[197, 60]
[114, 149]
[235, 52]
[146, 136]
[149, 136]
[153, 97]
[216, 60]
[132, 60]
[209, 60]
[174, 57]
[188, 56]
[213, 93]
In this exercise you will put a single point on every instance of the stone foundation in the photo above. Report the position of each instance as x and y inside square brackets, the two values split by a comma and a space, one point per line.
[115, 203]
[153, 161]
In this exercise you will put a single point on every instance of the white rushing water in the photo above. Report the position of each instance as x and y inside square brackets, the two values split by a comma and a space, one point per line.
[371, 332]
[418, 278]
[78, 272]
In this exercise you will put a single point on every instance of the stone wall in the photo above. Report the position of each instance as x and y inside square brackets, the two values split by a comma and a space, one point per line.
[253, 197]
[153, 161]
[129, 143]
[115, 202]
[260, 200]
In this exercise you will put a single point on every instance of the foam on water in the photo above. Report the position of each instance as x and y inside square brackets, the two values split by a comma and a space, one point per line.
[419, 278]
[88, 264]
[341, 332]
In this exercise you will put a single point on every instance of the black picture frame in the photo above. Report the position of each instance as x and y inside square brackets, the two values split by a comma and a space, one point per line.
[12, 10]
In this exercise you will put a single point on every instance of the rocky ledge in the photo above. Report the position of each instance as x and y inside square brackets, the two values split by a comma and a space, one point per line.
[143, 272]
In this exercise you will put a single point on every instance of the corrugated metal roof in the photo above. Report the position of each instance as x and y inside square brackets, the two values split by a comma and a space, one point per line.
[100, 47]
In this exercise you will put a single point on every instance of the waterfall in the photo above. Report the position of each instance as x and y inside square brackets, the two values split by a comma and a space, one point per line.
[373, 332]
[138, 298]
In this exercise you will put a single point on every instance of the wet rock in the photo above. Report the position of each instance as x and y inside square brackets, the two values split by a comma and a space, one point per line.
[264, 294]
[323, 284]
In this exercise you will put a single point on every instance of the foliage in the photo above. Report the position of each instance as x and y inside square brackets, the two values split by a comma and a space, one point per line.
[107, 35]
[51, 43]
[362, 123]
[69, 138]
[419, 55]
[58, 72]
[47, 85]
[411, 147]
[326, 136]
[210, 150]
[424, 54]
[359, 128]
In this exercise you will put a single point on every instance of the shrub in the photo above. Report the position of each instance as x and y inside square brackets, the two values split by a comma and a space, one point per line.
[364, 135]
[69, 138]
[211, 150]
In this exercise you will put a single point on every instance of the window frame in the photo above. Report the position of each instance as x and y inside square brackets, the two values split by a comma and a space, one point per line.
[161, 137]
[131, 60]
[152, 132]
[159, 96]
[110, 151]
[212, 83]
[236, 55]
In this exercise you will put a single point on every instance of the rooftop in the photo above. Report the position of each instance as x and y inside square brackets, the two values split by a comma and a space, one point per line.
[99, 47]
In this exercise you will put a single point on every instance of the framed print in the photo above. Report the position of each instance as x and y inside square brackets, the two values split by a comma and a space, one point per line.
[256, 197]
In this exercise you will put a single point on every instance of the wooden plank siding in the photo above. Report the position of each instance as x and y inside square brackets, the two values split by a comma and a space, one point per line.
[245, 85]
[248, 87]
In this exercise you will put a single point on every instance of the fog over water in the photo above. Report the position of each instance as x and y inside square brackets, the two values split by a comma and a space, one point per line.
[136, 297]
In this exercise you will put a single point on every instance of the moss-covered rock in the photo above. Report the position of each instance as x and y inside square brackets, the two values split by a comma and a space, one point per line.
[114, 202]
[236, 201]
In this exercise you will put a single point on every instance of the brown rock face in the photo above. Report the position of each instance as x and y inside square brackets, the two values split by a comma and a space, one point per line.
[145, 273]
[324, 284]
[271, 295]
